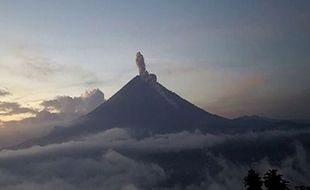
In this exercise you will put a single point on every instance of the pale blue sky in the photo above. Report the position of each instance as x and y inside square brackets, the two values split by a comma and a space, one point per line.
[229, 57]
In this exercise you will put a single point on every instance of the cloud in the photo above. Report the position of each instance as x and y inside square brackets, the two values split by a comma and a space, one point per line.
[294, 168]
[75, 105]
[123, 139]
[15, 132]
[119, 139]
[36, 67]
[110, 160]
[4, 92]
[10, 108]
[111, 170]
[41, 122]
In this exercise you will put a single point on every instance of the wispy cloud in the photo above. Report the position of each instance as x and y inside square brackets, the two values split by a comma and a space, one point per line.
[4, 92]
[111, 170]
[11, 108]
[36, 66]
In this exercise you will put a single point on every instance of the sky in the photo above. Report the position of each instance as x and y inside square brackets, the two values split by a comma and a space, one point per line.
[231, 58]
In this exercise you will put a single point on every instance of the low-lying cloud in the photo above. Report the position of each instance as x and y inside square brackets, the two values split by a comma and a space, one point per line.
[10, 108]
[294, 168]
[110, 160]
[123, 139]
[111, 171]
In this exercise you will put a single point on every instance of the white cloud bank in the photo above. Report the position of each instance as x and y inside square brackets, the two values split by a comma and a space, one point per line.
[112, 171]
[75, 105]
[66, 109]
[103, 161]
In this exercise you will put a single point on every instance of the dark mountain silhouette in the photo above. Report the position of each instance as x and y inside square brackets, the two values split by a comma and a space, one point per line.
[146, 107]
[143, 105]
[259, 123]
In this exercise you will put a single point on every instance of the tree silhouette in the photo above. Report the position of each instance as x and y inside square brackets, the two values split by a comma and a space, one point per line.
[253, 181]
[302, 187]
[274, 181]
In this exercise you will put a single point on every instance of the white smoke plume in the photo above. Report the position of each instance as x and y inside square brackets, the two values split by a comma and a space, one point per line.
[152, 78]
[140, 63]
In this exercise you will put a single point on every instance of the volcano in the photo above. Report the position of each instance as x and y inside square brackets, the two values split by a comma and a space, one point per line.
[144, 106]
[154, 119]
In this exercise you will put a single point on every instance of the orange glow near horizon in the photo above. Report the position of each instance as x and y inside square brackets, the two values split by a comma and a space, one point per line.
[15, 117]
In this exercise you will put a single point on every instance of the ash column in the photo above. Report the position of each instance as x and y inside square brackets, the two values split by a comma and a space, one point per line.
[141, 65]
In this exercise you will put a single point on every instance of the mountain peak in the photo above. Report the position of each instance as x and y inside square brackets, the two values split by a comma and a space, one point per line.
[142, 105]
[146, 105]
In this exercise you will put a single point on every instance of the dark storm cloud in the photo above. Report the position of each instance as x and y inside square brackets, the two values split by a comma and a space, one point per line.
[10, 108]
